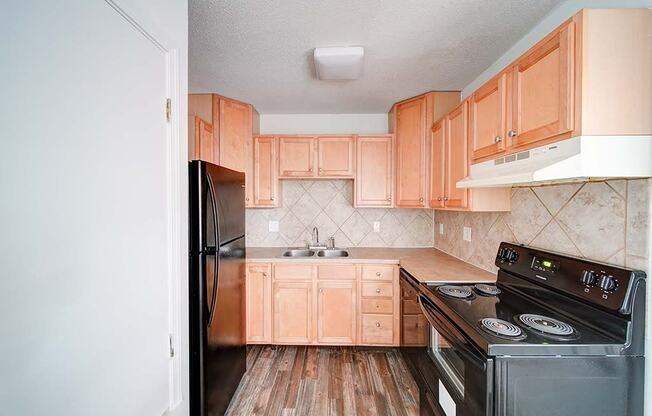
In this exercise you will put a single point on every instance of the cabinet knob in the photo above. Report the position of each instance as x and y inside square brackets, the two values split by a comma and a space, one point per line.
[264, 274]
[378, 274]
[445, 198]
[512, 133]
[420, 199]
[247, 199]
[310, 170]
[498, 139]
[438, 198]
[378, 324]
[378, 290]
[272, 198]
[321, 290]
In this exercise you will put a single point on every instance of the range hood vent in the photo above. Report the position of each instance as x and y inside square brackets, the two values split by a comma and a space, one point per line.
[581, 158]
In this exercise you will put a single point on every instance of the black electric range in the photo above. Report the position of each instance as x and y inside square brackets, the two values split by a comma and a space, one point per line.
[554, 335]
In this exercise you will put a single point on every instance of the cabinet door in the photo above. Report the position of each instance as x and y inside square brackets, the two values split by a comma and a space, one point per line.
[456, 156]
[487, 113]
[265, 180]
[335, 156]
[410, 149]
[203, 145]
[543, 89]
[235, 130]
[437, 164]
[336, 312]
[259, 303]
[292, 312]
[373, 180]
[296, 157]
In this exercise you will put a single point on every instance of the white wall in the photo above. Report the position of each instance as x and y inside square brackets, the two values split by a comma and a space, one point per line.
[93, 206]
[558, 15]
[323, 123]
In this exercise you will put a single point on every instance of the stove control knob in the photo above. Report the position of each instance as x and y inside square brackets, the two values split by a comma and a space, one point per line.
[607, 283]
[589, 278]
[512, 256]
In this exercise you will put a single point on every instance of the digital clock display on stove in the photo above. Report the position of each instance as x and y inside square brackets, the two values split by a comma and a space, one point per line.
[545, 265]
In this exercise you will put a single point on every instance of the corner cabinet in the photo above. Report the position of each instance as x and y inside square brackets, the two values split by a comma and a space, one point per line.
[374, 171]
[449, 145]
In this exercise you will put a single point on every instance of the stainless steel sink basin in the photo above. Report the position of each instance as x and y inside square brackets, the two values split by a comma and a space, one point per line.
[298, 253]
[333, 253]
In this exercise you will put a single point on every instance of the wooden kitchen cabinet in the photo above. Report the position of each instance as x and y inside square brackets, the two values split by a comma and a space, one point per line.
[259, 303]
[410, 121]
[374, 171]
[543, 90]
[488, 118]
[292, 309]
[296, 156]
[335, 156]
[336, 312]
[449, 163]
[200, 140]
[264, 183]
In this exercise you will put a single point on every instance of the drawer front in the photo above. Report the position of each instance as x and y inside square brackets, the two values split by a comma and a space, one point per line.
[414, 330]
[377, 289]
[259, 268]
[376, 305]
[293, 271]
[377, 272]
[377, 329]
[336, 271]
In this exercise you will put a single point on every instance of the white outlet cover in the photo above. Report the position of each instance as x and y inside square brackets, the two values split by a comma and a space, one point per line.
[441, 228]
[273, 226]
[466, 234]
[376, 226]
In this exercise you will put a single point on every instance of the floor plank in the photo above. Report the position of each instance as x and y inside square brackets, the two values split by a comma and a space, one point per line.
[303, 381]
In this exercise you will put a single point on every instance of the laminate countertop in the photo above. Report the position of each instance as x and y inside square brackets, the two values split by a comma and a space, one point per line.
[424, 264]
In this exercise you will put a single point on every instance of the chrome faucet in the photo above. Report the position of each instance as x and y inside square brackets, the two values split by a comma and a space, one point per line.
[315, 236]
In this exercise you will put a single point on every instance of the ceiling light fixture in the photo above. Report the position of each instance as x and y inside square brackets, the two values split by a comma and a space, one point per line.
[339, 63]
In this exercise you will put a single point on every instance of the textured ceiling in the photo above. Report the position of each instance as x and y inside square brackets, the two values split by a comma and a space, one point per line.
[259, 51]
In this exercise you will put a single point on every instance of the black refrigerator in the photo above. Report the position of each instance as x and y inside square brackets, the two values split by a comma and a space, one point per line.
[217, 276]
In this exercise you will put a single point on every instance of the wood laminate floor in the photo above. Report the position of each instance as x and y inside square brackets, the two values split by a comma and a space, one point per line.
[307, 381]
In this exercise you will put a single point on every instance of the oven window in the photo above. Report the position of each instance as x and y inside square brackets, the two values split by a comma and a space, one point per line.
[448, 360]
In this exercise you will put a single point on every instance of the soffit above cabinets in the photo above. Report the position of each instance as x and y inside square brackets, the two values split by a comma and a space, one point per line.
[261, 52]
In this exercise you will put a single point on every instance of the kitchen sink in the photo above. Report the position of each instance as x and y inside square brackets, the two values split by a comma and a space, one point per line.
[298, 253]
[333, 253]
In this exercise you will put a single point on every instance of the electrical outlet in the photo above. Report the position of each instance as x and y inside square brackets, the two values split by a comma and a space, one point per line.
[466, 234]
[441, 228]
[273, 226]
[376, 226]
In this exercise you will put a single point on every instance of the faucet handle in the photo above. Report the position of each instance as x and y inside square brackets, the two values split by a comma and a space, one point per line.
[331, 242]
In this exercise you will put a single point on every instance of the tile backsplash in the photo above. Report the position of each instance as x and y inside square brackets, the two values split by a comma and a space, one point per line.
[328, 205]
[604, 221]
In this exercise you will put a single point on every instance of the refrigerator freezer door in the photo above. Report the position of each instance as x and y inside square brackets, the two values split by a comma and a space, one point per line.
[229, 188]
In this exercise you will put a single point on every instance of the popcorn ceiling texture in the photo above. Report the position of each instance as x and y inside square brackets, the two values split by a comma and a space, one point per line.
[604, 221]
[327, 205]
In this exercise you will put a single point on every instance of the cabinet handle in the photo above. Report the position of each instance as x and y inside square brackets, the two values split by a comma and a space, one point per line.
[377, 290]
[438, 198]
[445, 198]
[420, 199]
[378, 324]
[272, 198]
[378, 274]
[321, 290]
[498, 139]
[512, 133]
[264, 274]
[310, 170]
[247, 199]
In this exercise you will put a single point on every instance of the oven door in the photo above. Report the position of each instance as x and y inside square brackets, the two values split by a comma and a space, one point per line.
[465, 385]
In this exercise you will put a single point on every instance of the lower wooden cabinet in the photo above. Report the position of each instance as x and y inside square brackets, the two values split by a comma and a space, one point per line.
[336, 312]
[323, 304]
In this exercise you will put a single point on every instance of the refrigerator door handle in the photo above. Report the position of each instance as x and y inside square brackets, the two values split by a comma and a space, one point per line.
[216, 233]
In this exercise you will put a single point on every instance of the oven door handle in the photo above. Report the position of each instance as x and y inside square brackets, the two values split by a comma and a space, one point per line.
[452, 334]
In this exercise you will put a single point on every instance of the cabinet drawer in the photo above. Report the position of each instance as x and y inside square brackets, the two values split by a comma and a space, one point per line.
[377, 272]
[259, 268]
[411, 307]
[415, 330]
[377, 289]
[376, 305]
[336, 271]
[293, 271]
[377, 329]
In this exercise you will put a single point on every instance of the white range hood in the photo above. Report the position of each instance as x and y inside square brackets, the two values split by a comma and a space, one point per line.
[580, 158]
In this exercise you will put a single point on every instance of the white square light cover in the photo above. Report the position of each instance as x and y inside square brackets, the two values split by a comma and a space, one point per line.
[339, 62]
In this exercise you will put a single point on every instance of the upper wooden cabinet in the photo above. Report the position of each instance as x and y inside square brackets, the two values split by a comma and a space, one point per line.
[200, 139]
[449, 163]
[410, 122]
[234, 124]
[335, 156]
[588, 77]
[296, 156]
[264, 183]
[373, 179]
[316, 156]
[543, 89]
[487, 118]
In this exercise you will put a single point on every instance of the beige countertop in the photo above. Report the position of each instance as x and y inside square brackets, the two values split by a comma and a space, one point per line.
[425, 264]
